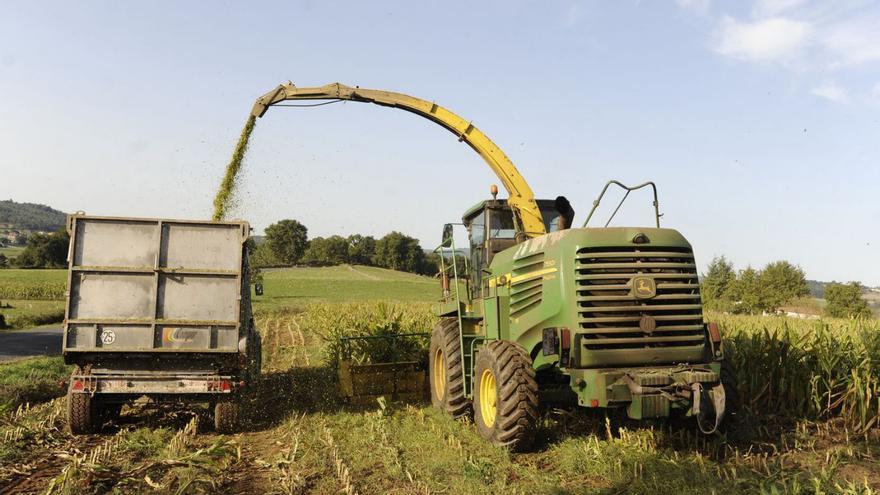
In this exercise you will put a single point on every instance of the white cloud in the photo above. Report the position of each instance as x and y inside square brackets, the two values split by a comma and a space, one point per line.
[770, 8]
[764, 40]
[853, 41]
[832, 92]
[875, 92]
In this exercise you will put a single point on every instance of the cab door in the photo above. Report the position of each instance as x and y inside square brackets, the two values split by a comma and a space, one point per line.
[476, 226]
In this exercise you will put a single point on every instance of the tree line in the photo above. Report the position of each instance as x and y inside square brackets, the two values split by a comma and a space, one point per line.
[41, 251]
[751, 291]
[31, 216]
[287, 243]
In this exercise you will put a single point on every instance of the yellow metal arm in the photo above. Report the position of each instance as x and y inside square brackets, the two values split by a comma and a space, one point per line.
[520, 196]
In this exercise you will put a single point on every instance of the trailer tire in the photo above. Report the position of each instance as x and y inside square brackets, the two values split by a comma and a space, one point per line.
[80, 413]
[446, 370]
[505, 395]
[227, 415]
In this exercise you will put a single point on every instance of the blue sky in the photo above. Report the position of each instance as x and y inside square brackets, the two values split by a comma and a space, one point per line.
[759, 121]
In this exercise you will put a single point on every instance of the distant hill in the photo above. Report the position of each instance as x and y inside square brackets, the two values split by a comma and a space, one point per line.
[30, 216]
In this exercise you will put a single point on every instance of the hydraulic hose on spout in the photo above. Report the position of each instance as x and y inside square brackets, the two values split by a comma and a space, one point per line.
[521, 198]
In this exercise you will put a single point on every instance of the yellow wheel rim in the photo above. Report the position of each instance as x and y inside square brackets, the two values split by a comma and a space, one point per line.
[488, 398]
[439, 373]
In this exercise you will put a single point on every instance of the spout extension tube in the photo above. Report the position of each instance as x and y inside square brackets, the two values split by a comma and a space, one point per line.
[520, 196]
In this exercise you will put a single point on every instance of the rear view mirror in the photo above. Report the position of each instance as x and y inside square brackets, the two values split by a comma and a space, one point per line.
[447, 235]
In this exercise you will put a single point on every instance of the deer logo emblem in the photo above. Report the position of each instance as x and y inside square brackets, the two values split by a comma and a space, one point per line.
[644, 287]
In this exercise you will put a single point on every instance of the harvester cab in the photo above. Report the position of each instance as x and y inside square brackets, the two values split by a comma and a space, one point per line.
[610, 317]
[491, 229]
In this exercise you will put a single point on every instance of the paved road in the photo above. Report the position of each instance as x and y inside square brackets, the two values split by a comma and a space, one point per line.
[36, 342]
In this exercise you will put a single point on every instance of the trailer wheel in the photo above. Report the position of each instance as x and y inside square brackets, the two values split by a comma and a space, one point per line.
[505, 395]
[445, 369]
[80, 413]
[227, 415]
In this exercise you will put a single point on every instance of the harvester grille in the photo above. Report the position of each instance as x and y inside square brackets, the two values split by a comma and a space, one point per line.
[611, 316]
[526, 293]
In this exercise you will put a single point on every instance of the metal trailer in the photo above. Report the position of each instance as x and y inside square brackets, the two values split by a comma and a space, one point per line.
[158, 308]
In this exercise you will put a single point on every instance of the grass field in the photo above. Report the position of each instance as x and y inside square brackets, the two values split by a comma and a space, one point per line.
[36, 297]
[809, 424]
[31, 380]
[296, 287]
[31, 313]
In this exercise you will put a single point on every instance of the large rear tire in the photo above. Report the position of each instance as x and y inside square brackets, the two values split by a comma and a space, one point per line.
[445, 369]
[227, 415]
[81, 414]
[505, 395]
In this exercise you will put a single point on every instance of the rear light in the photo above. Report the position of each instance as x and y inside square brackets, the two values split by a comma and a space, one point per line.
[714, 334]
[77, 385]
[225, 385]
[565, 344]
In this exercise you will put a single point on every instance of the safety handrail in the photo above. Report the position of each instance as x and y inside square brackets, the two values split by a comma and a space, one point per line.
[628, 189]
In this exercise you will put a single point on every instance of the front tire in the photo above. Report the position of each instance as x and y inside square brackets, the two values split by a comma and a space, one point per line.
[446, 370]
[505, 395]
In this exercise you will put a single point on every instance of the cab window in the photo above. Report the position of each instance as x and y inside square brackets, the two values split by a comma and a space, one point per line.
[501, 224]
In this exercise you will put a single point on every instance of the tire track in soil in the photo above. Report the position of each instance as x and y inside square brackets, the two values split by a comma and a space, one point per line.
[245, 475]
[47, 466]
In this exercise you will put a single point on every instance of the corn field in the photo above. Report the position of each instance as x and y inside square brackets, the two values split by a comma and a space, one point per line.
[316, 332]
[812, 369]
[33, 284]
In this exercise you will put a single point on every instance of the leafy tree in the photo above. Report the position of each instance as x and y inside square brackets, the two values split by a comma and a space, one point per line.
[433, 259]
[361, 249]
[782, 282]
[748, 292]
[263, 257]
[716, 283]
[287, 240]
[4, 261]
[400, 252]
[255, 275]
[45, 251]
[332, 250]
[845, 301]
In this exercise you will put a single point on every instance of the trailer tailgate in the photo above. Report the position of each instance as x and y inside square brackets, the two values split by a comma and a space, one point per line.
[151, 285]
